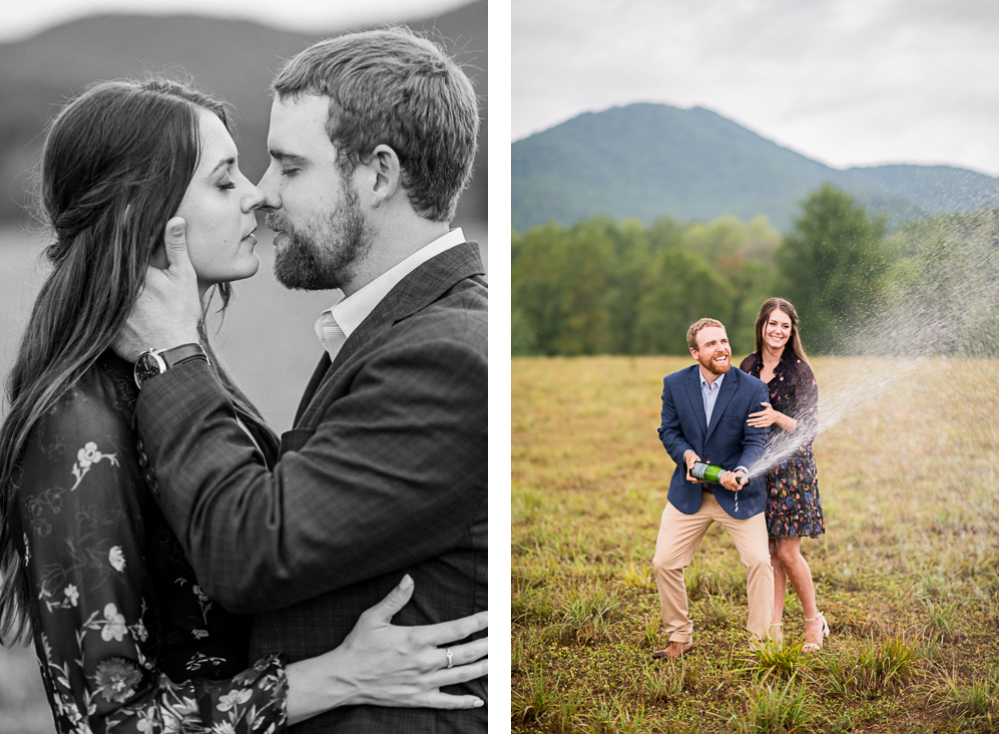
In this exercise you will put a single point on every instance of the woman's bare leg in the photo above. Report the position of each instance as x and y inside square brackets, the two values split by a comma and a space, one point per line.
[797, 571]
[780, 584]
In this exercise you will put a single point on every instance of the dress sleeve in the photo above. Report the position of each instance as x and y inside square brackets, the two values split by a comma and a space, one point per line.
[92, 603]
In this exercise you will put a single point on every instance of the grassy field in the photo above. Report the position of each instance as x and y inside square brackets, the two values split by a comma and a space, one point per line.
[906, 574]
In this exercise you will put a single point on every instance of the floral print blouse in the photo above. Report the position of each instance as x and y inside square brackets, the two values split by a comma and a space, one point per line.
[793, 392]
[125, 638]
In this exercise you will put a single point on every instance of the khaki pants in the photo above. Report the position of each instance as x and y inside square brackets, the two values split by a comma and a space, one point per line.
[676, 543]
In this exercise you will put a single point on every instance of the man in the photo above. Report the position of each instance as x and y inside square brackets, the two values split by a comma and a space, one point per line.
[372, 139]
[704, 418]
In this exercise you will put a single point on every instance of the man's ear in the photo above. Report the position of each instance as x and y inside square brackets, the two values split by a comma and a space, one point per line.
[384, 164]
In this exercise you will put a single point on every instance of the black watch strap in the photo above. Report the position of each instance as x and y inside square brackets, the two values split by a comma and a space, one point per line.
[155, 362]
[184, 353]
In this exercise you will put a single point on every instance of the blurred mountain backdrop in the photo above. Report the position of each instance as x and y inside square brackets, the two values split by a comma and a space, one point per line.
[652, 160]
[233, 59]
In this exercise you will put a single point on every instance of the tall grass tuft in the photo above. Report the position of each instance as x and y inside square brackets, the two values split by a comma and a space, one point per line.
[773, 659]
[563, 717]
[974, 703]
[662, 682]
[617, 718]
[780, 708]
[527, 648]
[530, 605]
[716, 612]
[877, 666]
[893, 661]
[843, 674]
[943, 619]
[585, 614]
[639, 578]
[651, 633]
[535, 700]
[541, 704]
[701, 581]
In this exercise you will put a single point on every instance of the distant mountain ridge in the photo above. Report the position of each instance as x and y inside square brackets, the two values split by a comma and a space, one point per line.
[651, 160]
[234, 59]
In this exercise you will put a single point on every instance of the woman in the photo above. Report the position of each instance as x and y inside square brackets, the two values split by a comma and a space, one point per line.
[793, 505]
[126, 640]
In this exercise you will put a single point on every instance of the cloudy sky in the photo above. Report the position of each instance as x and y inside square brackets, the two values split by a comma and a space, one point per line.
[846, 82]
[26, 17]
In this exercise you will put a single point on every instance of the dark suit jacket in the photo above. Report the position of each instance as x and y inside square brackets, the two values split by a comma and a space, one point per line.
[384, 473]
[727, 441]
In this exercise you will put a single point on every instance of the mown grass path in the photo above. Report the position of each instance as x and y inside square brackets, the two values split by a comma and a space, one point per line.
[907, 572]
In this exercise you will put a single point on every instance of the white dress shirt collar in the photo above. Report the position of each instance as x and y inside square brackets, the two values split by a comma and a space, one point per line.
[338, 322]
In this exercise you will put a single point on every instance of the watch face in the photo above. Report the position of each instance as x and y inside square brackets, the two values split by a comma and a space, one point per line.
[148, 365]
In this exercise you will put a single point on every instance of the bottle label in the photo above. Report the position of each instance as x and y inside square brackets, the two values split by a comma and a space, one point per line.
[708, 472]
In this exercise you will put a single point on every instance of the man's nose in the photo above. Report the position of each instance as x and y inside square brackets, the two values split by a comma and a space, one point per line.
[268, 187]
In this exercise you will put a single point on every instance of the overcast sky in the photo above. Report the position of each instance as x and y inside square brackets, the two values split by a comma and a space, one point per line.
[22, 18]
[845, 82]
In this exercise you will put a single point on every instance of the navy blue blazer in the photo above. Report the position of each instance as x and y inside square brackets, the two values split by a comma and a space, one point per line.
[727, 441]
[384, 473]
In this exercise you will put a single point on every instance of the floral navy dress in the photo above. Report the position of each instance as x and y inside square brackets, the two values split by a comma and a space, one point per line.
[793, 504]
[125, 638]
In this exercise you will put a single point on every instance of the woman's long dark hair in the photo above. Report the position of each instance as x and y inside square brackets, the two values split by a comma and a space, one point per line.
[785, 307]
[115, 165]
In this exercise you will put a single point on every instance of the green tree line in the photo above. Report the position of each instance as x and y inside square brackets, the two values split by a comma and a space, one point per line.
[606, 287]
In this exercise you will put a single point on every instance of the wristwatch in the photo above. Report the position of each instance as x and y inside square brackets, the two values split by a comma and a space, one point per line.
[155, 362]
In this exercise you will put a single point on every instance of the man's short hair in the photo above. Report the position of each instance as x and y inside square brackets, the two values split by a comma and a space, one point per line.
[698, 326]
[395, 88]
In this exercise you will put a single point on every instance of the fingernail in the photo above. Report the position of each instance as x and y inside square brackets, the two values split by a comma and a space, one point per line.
[406, 583]
[478, 703]
[177, 230]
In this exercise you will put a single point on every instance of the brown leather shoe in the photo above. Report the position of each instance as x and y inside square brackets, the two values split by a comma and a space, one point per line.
[674, 650]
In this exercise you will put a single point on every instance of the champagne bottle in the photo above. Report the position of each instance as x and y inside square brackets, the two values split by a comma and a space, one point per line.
[708, 472]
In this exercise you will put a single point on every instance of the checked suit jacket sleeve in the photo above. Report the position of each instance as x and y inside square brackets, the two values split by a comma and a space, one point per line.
[385, 468]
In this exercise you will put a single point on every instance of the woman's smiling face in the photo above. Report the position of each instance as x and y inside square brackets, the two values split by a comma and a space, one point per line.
[777, 329]
[218, 208]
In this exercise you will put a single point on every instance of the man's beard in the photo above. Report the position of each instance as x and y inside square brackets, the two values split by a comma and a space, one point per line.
[323, 255]
[715, 369]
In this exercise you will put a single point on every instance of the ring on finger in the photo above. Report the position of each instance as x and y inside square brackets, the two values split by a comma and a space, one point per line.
[448, 653]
